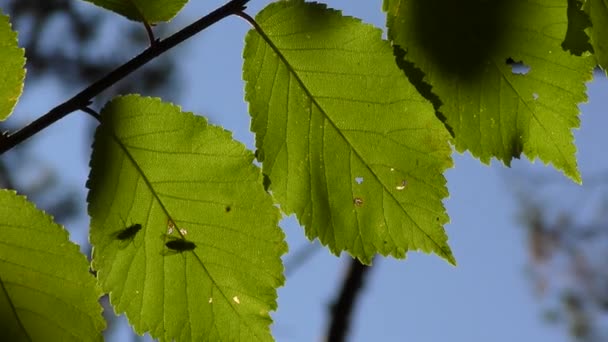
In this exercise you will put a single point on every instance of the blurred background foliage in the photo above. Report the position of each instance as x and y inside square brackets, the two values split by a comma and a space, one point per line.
[567, 235]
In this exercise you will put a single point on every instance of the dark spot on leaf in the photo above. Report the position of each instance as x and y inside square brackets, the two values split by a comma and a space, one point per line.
[228, 208]
[259, 155]
[358, 201]
[266, 182]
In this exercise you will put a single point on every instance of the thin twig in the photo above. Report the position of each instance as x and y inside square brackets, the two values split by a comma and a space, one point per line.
[342, 308]
[82, 99]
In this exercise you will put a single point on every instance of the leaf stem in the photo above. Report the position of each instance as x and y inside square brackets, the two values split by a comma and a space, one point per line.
[81, 100]
[150, 33]
[91, 112]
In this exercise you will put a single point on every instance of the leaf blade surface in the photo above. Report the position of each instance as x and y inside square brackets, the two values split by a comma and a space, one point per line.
[349, 145]
[182, 180]
[496, 111]
[46, 290]
[12, 62]
[149, 11]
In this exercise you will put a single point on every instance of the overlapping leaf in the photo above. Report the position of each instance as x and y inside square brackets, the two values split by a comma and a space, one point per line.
[182, 181]
[46, 290]
[348, 144]
[598, 12]
[149, 11]
[577, 41]
[465, 48]
[12, 61]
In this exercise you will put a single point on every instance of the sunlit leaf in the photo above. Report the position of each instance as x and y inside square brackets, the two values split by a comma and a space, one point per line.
[150, 11]
[12, 62]
[46, 290]
[205, 264]
[471, 52]
[349, 145]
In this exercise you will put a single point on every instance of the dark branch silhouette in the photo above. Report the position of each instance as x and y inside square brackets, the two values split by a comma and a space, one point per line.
[343, 306]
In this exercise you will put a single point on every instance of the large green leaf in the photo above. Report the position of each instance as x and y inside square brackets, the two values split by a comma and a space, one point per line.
[12, 61]
[598, 12]
[348, 143]
[464, 48]
[166, 171]
[46, 290]
[149, 11]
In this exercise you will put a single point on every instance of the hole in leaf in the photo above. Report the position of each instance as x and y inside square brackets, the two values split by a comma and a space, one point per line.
[359, 180]
[518, 67]
[401, 185]
[170, 226]
[535, 96]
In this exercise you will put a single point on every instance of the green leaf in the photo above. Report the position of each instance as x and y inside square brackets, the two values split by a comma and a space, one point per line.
[350, 146]
[464, 48]
[598, 12]
[149, 11]
[185, 182]
[12, 62]
[46, 290]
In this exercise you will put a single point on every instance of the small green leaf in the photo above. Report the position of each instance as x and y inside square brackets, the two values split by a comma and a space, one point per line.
[349, 144]
[46, 290]
[206, 262]
[12, 62]
[598, 12]
[465, 48]
[149, 11]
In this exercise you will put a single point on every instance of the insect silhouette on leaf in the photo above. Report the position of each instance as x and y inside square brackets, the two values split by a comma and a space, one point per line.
[129, 232]
[126, 235]
[178, 245]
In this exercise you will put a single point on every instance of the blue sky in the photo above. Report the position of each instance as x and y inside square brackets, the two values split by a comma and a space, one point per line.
[487, 297]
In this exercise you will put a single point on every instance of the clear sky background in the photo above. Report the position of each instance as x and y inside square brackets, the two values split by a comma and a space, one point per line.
[487, 297]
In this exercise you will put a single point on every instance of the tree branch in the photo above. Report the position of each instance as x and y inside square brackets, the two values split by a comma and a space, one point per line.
[342, 307]
[82, 99]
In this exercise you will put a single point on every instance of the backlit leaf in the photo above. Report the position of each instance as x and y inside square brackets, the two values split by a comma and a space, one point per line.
[12, 62]
[206, 263]
[470, 51]
[46, 290]
[150, 11]
[349, 145]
